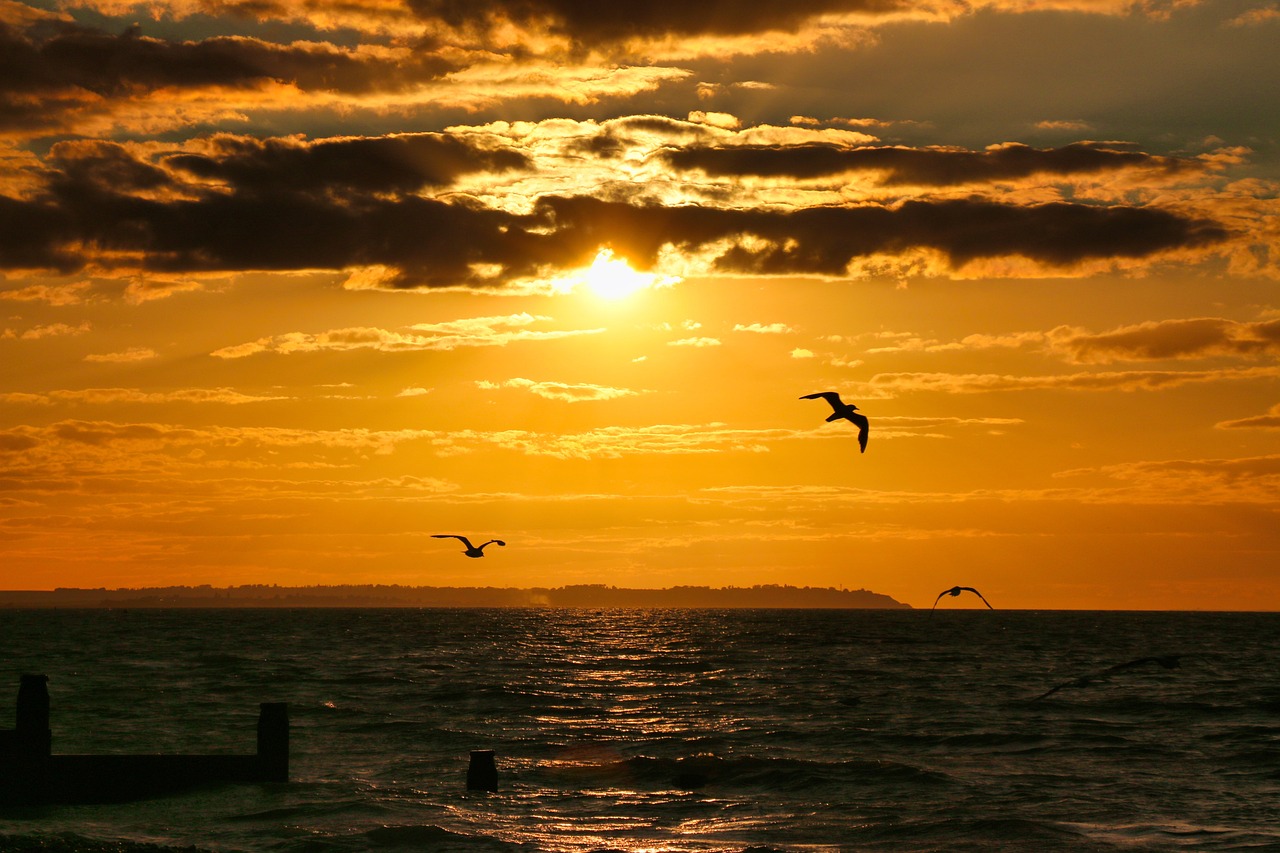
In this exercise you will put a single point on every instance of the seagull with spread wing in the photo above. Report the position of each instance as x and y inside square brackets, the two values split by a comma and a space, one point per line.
[472, 550]
[956, 590]
[844, 411]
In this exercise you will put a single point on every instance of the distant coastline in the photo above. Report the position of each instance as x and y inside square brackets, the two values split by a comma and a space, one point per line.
[377, 595]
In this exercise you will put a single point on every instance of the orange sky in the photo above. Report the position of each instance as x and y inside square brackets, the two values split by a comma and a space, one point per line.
[286, 289]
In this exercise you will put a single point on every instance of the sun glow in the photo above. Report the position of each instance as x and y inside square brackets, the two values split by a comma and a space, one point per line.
[613, 278]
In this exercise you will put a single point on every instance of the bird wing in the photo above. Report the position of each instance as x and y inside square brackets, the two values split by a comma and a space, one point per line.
[464, 540]
[980, 595]
[492, 542]
[863, 427]
[830, 396]
[939, 598]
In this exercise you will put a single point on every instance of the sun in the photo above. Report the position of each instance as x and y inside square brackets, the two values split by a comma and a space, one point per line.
[612, 278]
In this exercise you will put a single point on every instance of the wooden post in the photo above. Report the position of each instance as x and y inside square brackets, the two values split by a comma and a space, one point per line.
[273, 741]
[32, 734]
[482, 774]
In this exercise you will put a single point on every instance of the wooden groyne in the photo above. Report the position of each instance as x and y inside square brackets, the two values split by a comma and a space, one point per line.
[31, 774]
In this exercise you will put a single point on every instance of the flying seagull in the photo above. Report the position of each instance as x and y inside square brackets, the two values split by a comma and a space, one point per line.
[847, 411]
[472, 550]
[1166, 661]
[956, 590]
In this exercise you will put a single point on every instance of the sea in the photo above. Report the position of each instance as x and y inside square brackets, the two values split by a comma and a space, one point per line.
[671, 730]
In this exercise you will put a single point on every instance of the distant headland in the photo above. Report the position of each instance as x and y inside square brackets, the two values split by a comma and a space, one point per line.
[378, 595]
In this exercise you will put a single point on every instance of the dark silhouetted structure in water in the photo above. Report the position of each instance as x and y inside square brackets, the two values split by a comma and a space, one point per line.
[482, 772]
[844, 411]
[472, 550]
[30, 774]
[956, 590]
[1166, 661]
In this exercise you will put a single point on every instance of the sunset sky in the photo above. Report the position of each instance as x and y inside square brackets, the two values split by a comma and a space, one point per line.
[287, 286]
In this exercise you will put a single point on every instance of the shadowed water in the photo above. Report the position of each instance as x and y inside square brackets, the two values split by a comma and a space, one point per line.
[675, 730]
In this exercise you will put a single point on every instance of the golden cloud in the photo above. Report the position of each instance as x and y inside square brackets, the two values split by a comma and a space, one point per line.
[1271, 420]
[471, 332]
[105, 396]
[566, 392]
[1134, 380]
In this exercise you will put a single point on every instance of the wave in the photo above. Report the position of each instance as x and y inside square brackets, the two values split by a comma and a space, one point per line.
[310, 811]
[960, 834]
[70, 842]
[431, 837]
[700, 772]
[795, 731]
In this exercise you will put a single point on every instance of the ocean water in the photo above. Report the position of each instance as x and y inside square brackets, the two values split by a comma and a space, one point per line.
[667, 730]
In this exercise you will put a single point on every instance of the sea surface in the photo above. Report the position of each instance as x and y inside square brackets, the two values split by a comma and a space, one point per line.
[673, 730]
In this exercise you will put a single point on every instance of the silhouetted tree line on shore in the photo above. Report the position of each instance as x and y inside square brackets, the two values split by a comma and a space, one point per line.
[380, 595]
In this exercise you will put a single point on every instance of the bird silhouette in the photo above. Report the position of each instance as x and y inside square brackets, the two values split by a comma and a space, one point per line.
[956, 590]
[1166, 661]
[845, 411]
[472, 550]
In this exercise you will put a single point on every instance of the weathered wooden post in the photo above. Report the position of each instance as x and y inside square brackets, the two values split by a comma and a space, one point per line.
[273, 741]
[482, 774]
[31, 734]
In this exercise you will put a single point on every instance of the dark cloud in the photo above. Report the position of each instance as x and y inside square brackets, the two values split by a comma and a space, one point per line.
[824, 240]
[106, 64]
[366, 164]
[286, 205]
[105, 164]
[588, 22]
[37, 235]
[928, 166]
[1199, 337]
[432, 243]
[60, 65]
